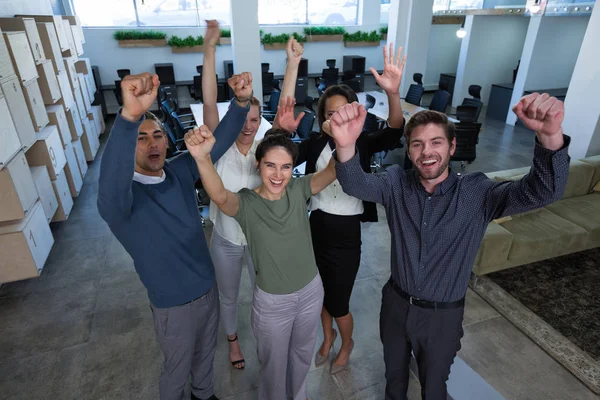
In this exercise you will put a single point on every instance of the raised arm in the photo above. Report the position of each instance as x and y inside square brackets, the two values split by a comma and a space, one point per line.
[345, 127]
[294, 52]
[325, 177]
[209, 75]
[199, 142]
[115, 198]
[390, 81]
[547, 179]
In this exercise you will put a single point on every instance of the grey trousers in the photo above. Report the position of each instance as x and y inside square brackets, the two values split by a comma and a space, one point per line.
[285, 328]
[187, 336]
[228, 259]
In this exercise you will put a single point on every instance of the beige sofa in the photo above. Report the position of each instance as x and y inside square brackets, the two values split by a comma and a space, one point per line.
[570, 225]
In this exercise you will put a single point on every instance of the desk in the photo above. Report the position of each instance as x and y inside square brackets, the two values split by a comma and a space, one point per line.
[499, 103]
[198, 112]
[380, 110]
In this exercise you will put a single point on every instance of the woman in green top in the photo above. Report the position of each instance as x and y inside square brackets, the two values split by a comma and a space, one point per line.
[288, 296]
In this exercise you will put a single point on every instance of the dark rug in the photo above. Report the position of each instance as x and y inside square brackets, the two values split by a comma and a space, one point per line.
[557, 304]
[564, 292]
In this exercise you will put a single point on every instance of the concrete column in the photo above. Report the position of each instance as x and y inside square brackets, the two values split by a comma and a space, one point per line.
[530, 40]
[582, 109]
[245, 41]
[409, 26]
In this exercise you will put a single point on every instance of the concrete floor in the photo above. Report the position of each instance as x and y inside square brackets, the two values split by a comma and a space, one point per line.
[83, 330]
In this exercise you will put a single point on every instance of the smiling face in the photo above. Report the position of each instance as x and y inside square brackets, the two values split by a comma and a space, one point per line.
[246, 137]
[275, 170]
[151, 149]
[430, 152]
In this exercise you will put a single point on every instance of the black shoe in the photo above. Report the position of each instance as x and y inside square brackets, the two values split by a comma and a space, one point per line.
[213, 397]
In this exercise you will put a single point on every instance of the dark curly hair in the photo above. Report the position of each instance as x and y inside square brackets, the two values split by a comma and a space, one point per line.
[276, 138]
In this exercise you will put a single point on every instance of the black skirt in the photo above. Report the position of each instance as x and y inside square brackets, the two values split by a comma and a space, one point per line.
[337, 242]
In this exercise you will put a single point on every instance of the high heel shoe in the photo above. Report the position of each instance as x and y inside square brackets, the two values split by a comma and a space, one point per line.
[319, 359]
[337, 368]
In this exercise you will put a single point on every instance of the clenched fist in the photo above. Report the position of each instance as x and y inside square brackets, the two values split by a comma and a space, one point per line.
[241, 84]
[139, 92]
[345, 126]
[544, 115]
[199, 142]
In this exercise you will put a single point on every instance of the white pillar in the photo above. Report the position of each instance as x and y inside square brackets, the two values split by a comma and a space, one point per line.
[245, 41]
[582, 109]
[409, 26]
[530, 40]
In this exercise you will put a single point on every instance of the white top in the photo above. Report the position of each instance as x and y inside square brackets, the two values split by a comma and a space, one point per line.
[147, 179]
[332, 199]
[237, 171]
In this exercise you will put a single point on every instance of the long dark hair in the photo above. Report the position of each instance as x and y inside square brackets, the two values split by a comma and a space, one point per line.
[336, 90]
[276, 138]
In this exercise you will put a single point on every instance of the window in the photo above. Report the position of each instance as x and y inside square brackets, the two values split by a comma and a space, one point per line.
[312, 12]
[385, 12]
[134, 13]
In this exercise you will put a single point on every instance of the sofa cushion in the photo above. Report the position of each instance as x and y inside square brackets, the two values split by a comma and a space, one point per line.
[595, 161]
[583, 211]
[495, 246]
[542, 235]
[580, 179]
[507, 173]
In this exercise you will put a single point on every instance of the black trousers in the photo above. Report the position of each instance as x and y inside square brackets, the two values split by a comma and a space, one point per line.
[432, 335]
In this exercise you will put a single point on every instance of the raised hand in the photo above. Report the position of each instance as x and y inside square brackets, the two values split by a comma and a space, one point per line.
[285, 116]
[541, 113]
[294, 51]
[199, 142]
[213, 33]
[139, 92]
[241, 84]
[392, 71]
[345, 126]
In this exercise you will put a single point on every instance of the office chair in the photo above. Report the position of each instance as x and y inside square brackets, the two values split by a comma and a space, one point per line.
[306, 124]
[475, 91]
[467, 113]
[329, 77]
[270, 111]
[441, 98]
[122, 73]
[466, 142]
[309, 103]
[415, 91]
[117, 92]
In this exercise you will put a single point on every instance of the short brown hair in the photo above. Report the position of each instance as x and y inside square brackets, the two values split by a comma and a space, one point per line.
[151, 116]
[276, 138]
[255, 102]
[427, 117]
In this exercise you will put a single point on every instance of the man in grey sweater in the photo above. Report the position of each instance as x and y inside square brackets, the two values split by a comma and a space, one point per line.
[150, 206]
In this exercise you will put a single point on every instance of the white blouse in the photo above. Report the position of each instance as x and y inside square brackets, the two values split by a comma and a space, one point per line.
[237, 171]
[332, 199]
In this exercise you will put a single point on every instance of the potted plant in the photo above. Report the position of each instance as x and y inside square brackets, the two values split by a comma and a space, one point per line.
[225, 36]
[278, 42]
[189, 44]
[324, 34]
[360, 38]
[140, 38]
[383, 30]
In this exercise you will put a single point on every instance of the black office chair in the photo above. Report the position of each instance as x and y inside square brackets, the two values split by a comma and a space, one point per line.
[415, 91]
[475, 91]
[117, 92]
[306, 124]
[122, 73]
[467, 113]
[309, 103]
[466, 142]
[329, 77]
[270, 110]
[441, 98]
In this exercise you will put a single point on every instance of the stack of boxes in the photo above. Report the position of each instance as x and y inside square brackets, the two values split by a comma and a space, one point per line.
[48, 132]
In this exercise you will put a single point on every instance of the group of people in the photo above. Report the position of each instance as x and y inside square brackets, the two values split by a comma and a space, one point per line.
[303, 259]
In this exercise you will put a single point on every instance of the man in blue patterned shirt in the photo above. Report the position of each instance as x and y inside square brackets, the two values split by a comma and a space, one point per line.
[437, 220]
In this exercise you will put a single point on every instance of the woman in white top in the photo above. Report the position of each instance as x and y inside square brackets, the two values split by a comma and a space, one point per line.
[237, 169]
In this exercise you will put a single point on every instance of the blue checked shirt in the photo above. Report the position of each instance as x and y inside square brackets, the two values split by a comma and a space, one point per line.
[435, 237]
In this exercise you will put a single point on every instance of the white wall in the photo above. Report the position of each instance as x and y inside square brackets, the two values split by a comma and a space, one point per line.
[442, 54]
[554, 55]
[9, 8]
[489, 53]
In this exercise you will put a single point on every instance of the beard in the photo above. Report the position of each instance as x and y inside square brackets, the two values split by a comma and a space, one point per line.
[442, 165]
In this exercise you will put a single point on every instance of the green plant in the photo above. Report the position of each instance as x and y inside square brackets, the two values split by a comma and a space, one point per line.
[268, 38]
[139, 35]
[189, 41]
[361, 36]
[226, 33]
[324, 30]
[383, 30]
